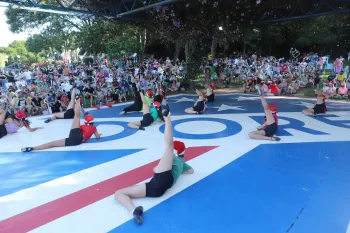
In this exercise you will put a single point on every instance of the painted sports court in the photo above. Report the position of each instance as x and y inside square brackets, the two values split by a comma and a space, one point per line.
[297, 185]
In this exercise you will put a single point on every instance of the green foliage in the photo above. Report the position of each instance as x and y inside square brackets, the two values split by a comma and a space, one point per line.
[17, 52]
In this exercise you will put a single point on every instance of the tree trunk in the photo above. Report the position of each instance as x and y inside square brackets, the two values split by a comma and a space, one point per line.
[244, 48]
[213, 48]
[187, 52]
[177, 50]
[143, 41]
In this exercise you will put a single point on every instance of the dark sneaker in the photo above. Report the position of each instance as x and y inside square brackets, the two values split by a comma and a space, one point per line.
[142, 128]
[138, 211]
[27, 149]
[47, 120]
[166, 111]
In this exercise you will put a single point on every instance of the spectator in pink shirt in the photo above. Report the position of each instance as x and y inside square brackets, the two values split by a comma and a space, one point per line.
[342, 91]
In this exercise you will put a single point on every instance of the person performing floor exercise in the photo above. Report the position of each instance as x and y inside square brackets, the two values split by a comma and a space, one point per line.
[78, 134]
[137, 105]
[267, 130]
[10, 124]
[69, 113]
[150, 114]
[199, 106]
[319, 107]
[166, 173]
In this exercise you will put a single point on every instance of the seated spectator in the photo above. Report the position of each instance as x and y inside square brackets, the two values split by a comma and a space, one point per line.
[89, 93]
[331, 90]
[264, 88]
[293, 87]
[249, 84]
[342, 91]
[340, 78]
[283, 87]
[273, 89]
[331, 77]
[37, 105]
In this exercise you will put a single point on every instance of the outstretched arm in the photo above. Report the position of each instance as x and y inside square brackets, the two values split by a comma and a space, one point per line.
[97, 135]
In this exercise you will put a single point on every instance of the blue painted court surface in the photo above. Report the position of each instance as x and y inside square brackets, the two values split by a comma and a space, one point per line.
[297, 185]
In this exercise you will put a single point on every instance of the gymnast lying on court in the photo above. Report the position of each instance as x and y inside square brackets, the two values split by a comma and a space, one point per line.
[199, 106]
[166, 173]
[69, 113]
[267, 130]
[150, 114]
[78, 134]
[319, 107]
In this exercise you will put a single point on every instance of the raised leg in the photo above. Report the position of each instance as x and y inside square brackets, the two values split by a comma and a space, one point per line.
[166, 161]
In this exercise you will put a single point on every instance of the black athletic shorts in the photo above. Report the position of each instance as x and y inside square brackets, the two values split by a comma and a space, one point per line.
[159, 184]
[270, 130]
[211, 98]
[319, 108]
[147, 120]
[69, 114]
[75, 137]
[199, 107]
[3, 131]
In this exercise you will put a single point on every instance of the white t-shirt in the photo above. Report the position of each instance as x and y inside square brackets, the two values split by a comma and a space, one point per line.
[325, 89]
[67, 87]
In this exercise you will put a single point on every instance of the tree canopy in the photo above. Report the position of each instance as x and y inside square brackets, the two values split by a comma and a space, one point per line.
[195, 27]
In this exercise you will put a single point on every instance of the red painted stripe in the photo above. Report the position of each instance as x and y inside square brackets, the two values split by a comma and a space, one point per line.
[51, 211]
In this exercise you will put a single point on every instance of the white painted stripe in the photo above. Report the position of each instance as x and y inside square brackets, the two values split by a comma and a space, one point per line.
[106, 214]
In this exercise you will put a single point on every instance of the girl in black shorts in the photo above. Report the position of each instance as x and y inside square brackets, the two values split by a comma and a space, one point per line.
[69, 113]
[210, 93]
[267, 130]
[166, 173]
[149, 114]
[319, 107]
[199, 106]
[137, 105]
[78, 134]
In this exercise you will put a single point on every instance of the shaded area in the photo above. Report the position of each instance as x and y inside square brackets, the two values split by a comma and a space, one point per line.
[20, 170]
[263, 191]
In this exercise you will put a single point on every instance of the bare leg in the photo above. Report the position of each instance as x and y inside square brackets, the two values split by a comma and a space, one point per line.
[259, 135]
[134, 125]
[123, 196]
[309, 112]
[72, 99]
[58, 143]
[269, 118]
[199, 93]
[144, 103]
[166, 162]
[2, 116]
[76, 120]
[190, 111]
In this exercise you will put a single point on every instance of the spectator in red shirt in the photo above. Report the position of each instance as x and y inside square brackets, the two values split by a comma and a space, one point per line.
[273, 89]
[78, 134]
